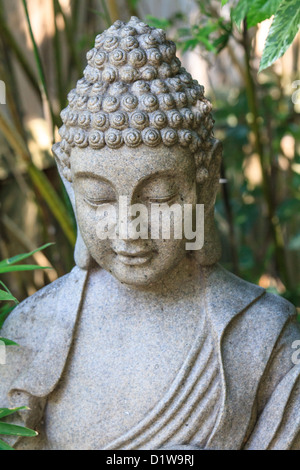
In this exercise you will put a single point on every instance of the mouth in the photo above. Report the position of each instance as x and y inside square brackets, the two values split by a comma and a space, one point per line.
[135, 258]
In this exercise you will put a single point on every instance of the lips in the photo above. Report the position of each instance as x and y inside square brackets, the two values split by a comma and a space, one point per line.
[134, 258]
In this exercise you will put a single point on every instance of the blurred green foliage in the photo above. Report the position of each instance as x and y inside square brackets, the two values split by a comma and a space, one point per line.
[258, 218]
[7, 429]
[11, 265]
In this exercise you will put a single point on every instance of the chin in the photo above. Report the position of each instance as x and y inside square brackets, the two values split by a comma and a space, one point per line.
[137, 276]
[140, 272]
[145, 275]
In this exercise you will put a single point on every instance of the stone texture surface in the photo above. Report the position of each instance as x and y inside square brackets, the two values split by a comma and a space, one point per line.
[145, 345]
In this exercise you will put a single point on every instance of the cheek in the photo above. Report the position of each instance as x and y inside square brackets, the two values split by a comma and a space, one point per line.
[87, 219]
[169, 251]
[190, 195]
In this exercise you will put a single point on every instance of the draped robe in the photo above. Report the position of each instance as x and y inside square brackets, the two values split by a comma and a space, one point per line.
[257, 391]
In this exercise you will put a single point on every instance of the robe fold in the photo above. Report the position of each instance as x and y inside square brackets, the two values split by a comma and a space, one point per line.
[250, 375]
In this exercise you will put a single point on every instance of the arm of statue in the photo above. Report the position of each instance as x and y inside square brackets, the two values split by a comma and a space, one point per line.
[17, 360]
[278, 399]
[43, 326]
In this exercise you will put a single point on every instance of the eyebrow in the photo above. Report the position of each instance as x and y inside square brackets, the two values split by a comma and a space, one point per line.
[90, 175]
[157, 174]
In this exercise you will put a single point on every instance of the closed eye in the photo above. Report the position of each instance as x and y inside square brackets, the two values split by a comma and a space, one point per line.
[98, 201]
[161, 200]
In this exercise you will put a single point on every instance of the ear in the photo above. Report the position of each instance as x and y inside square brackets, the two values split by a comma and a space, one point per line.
[208, 185]
[82, 256]
[208, 176]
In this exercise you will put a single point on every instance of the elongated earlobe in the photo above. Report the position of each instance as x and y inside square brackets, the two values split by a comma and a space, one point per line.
[82, 256]
[208, 185]
[211, 251]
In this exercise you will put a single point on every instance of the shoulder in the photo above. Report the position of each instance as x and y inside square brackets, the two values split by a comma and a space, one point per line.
[255, 299]
[32, 321]
[34, 308]
[267, 329]
[36, 313]
[273, 313]
[247, 314]
[275, 309]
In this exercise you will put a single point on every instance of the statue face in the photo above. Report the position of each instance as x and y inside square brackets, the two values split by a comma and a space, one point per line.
[144, 176]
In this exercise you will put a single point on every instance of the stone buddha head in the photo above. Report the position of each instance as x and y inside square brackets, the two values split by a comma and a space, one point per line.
[137, 126]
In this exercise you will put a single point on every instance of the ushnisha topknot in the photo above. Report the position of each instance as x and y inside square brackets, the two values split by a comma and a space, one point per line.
[134, 92]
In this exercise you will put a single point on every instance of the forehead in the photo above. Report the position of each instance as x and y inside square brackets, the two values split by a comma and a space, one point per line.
[132, 165]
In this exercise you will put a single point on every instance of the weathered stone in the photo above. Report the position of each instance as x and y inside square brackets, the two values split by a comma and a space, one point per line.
[146, 345]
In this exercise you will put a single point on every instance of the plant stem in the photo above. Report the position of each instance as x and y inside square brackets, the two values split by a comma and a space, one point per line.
[113, 9]
[106, 13]
[229, 216]
[7, 74]
[23, 240]
[71, 38]
[13, 45]
[58, 58]
[275, 228]
[41, 74]
[39, 179]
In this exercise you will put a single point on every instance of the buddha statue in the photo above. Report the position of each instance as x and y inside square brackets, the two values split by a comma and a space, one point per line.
[147, 344]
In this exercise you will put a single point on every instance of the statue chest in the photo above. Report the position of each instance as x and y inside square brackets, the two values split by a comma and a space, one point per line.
[124, 358]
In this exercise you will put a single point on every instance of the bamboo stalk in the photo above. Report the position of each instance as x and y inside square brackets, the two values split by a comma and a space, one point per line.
[132, 6]
[13, 103]
[13, 45]
[41, 74]
[274, 224]
[75, 6]
[22, 238]
[230, 220]
[57, 56]
[106, 13]
[39, 179]
[71, 39]
[48, 193]
[113, 10]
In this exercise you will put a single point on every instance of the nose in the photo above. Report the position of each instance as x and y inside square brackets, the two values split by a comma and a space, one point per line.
[133, 220]
[131, 247]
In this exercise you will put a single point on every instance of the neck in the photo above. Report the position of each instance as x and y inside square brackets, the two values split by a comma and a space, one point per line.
[185, 275]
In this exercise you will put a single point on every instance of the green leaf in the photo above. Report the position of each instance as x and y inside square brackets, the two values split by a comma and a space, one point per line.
[8, 342]
[189, 44]
[4, 446]
[223, 2]
[10, 411]
[205, 41]
[158, 22]
[133, 3]
[239, 13]
[22, 267]
[7, 296]
[41, 74]
[260, 10]
[4, 312]
[284, 28]
[13, 430]
[295, 243]
[23, 256]
[288, 209]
